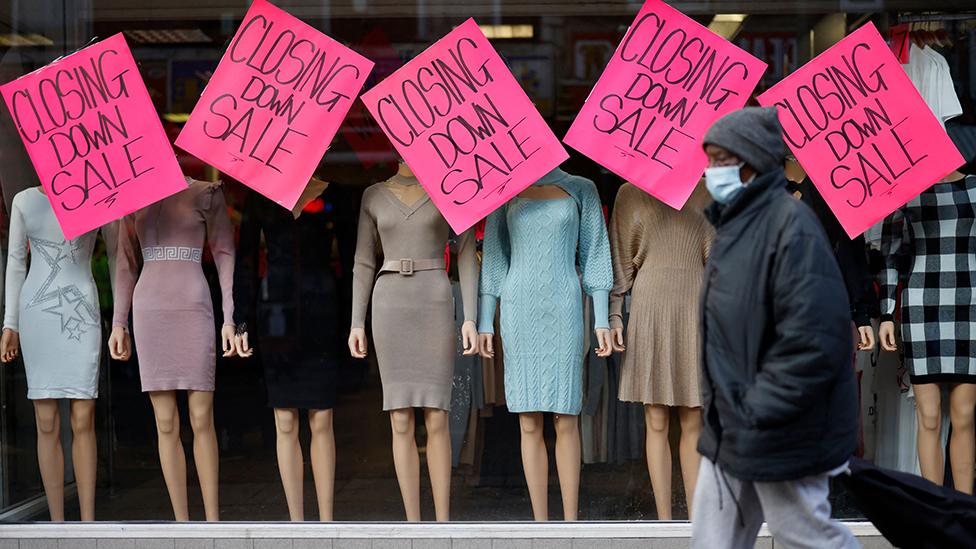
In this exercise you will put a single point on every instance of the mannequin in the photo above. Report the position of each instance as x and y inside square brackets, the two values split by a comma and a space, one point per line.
[910, 232]
[295, 315]
[529, 263]
[413, 324]
[52, 310]
[659, 256]
[172, 305]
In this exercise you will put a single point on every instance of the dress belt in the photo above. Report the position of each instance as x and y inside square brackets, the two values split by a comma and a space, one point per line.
[407, 267]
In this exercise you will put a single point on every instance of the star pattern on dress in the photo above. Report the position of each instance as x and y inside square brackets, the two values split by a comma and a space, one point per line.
[76, 314]
[54, 254]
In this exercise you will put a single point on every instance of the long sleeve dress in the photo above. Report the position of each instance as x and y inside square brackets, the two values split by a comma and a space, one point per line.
[54, 305]
[530, 263]
[659, 256]
[400, 262]
[172, 310]
[293, 314]
[932, 241]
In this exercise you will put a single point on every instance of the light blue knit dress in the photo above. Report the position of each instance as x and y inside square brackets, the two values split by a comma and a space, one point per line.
[531, 251]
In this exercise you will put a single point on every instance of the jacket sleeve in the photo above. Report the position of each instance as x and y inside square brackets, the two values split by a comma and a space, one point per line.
[626, 234]
[811, 344]
[16, 266]
[594, 254]
[220, 238]
[364, 265]
[895, 242]
[246, 264]
[494, 268]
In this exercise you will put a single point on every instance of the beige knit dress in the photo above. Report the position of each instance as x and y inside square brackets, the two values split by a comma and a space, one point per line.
[659, 256]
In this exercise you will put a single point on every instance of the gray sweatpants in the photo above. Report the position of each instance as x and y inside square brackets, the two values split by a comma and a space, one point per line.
[797, 512]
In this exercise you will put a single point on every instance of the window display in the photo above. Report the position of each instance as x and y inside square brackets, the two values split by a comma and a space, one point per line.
[384, 341]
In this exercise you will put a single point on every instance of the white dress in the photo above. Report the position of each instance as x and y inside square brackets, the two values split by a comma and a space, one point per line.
[54, 307]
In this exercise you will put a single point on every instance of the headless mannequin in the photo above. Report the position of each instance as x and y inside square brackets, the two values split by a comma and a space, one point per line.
[172, 458]
[928, 409]
[50, 454]
[291, 462]
[406, 456]
[535, 456]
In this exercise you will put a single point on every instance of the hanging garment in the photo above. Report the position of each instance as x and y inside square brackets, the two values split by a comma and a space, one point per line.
[413, 310]
[659, 256]
[929, 71]
[172, 310]
[54, 305]
[530, 258]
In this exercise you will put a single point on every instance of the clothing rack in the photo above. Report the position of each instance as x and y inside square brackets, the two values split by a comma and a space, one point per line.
[936, 17]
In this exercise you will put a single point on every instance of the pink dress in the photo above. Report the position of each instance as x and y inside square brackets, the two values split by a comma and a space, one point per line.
[172, 311]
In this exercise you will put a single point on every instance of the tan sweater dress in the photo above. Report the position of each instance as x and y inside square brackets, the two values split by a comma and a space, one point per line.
[659, 256]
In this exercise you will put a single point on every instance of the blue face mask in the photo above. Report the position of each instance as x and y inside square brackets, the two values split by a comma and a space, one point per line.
[724, 182]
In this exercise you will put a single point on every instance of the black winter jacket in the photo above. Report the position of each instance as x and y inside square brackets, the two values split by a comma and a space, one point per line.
[777, 375]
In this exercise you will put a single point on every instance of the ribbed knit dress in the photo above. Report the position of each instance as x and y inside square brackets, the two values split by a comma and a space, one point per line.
[530, 263]
[659, 256]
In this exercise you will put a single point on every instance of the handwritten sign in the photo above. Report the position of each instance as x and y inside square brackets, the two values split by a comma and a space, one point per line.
[274, 103]
[460, 120]
[668, 81]
[900, 42]
[861, 131]
[93, 136]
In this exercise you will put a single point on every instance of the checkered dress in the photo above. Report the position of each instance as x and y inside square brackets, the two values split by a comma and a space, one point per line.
[931, 242]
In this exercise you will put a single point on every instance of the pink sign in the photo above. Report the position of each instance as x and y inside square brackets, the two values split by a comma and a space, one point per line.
[460, 120]
[668, 81]
[861, 131]
[93, 136]
[274, 103]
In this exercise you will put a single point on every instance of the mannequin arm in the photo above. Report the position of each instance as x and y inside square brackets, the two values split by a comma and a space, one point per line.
[364, 267]
[126, 270]
[16, 266]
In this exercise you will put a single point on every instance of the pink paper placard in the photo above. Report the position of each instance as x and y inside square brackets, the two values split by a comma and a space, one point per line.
[861, 131]
[668, 81]
[460, 120]
[93, 135]
[274, 103]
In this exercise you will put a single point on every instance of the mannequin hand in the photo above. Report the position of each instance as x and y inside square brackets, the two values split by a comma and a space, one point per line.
[227, 340]
[867, 338]
[605, 347]
[469, 338]
[241, 345]
[9, 344]
[357, 343]
[487, 345]
[617, 339]
[119, 344]
[886, 335]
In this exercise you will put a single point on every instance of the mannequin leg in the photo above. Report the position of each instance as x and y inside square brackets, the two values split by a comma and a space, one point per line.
[962, 446]
[691, 425]
[658, 448]
[535, 462]
[291, 466]
[84, 454]
[406, 460]
[323, 460]
[568, 461]
[171, 456]
[928, 409]
[439, 460]
[50, 455]
[205, 450]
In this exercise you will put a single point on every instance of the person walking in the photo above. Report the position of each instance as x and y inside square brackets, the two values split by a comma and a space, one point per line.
[778, 390]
